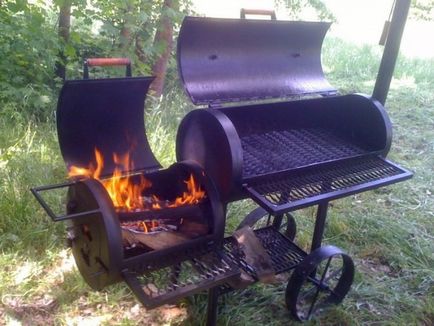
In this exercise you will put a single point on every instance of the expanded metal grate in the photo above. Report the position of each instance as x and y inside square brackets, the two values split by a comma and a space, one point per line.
[329, 181]
[284, 254]
[187, 277]
[279, 150]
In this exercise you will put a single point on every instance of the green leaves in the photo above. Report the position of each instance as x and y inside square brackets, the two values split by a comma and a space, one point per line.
[28, 48]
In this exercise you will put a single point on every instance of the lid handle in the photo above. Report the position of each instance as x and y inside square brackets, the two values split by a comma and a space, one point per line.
[259, 12]
[106, 62]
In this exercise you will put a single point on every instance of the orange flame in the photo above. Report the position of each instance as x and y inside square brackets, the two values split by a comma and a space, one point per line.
[193, 195]
[127, 194]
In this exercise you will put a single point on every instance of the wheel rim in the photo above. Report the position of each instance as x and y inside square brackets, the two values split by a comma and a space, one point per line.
[314, 287]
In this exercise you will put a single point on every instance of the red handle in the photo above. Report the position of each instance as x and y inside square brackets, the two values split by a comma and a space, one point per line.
[106, 62]
[260, 12]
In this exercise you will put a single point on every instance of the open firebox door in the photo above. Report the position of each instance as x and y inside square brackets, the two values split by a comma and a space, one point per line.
[157, 229]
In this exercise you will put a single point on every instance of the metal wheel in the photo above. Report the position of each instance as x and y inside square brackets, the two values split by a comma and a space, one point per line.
[259, 218]
[323, 278]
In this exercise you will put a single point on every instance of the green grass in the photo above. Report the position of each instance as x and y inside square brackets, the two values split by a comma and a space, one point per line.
[389, 232]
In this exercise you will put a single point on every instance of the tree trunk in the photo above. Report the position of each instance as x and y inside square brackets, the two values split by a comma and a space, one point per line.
[63, 32]
[125, 39]
[163, 39]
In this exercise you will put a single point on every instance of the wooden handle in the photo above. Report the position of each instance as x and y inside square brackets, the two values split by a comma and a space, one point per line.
[259, 12]
[106, 62]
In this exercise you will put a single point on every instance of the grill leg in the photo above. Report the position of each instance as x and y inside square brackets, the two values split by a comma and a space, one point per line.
[213, 298]
[318, 232]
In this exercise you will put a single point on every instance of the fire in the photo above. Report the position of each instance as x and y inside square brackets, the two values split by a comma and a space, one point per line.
[127, 194]
[193, 195]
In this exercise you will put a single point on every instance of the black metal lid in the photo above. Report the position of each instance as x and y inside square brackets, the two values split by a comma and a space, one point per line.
[229, 60]
[106, 114]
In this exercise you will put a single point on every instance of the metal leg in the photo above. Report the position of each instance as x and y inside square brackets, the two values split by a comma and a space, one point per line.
[213, 298]
[277, 221]
[318, 232]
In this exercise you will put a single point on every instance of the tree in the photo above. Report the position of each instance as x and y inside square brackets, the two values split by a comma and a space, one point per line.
[163, 41]
[63, 31]
[423, 9]
[294, 7]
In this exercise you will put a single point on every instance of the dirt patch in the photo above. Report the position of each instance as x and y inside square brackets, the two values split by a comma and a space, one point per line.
[37, 312]
[107, 313]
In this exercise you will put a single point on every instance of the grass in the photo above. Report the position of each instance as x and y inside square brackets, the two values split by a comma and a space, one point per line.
[389, 232]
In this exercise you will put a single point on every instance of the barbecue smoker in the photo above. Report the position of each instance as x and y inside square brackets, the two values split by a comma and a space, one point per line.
[274, 130]
[166, 245]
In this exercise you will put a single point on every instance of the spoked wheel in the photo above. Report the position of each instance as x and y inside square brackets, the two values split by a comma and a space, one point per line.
[323, 278]
[259, 218]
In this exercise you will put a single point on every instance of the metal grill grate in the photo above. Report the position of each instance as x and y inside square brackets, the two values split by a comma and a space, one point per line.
[284, 254]
[302, 188]
[187, 277]
[287, 149]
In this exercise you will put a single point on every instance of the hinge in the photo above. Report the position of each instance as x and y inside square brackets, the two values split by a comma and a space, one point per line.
[215, 105]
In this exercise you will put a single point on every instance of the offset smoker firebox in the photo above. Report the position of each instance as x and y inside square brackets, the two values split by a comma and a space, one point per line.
[274, 130]
[159, 230]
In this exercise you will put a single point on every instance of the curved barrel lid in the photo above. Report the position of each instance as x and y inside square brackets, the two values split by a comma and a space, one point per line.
[229, 60]
[107, 114]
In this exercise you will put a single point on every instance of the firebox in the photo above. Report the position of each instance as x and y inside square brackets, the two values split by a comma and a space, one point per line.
[159, 230]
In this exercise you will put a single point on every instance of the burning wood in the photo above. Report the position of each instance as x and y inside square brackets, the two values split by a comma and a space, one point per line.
[160, 234]
[153, 240]
[194, 212]
[127, 194]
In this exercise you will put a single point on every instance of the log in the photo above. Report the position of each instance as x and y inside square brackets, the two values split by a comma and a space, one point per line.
[255, 254]
[153, 240]
[193, 229]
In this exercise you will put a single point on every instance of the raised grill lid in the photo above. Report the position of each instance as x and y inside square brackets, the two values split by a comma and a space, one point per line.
[107, 114]
[229, 60]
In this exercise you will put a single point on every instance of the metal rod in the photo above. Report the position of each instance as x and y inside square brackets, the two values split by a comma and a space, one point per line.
[318, 232]
[213, 298]
[391, 50]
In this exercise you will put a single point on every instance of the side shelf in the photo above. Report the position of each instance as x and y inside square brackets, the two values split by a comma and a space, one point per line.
[285, 192]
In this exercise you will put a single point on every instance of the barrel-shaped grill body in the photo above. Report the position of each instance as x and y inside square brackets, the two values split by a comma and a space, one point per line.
[235, 144]
[274, 129]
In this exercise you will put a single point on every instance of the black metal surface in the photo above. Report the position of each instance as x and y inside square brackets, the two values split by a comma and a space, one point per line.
[209, 138]
[320, 220]
[237, 144]
[284, 254]
[106, 114]
[230, 60]
[305, 187]
[280, 150]
[211, 311]
[391, 50]
[328, 287]
[96, 240]
[160, 287]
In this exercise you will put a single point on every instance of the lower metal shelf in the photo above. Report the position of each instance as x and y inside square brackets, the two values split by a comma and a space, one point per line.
[284, 254]
[188, 277]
